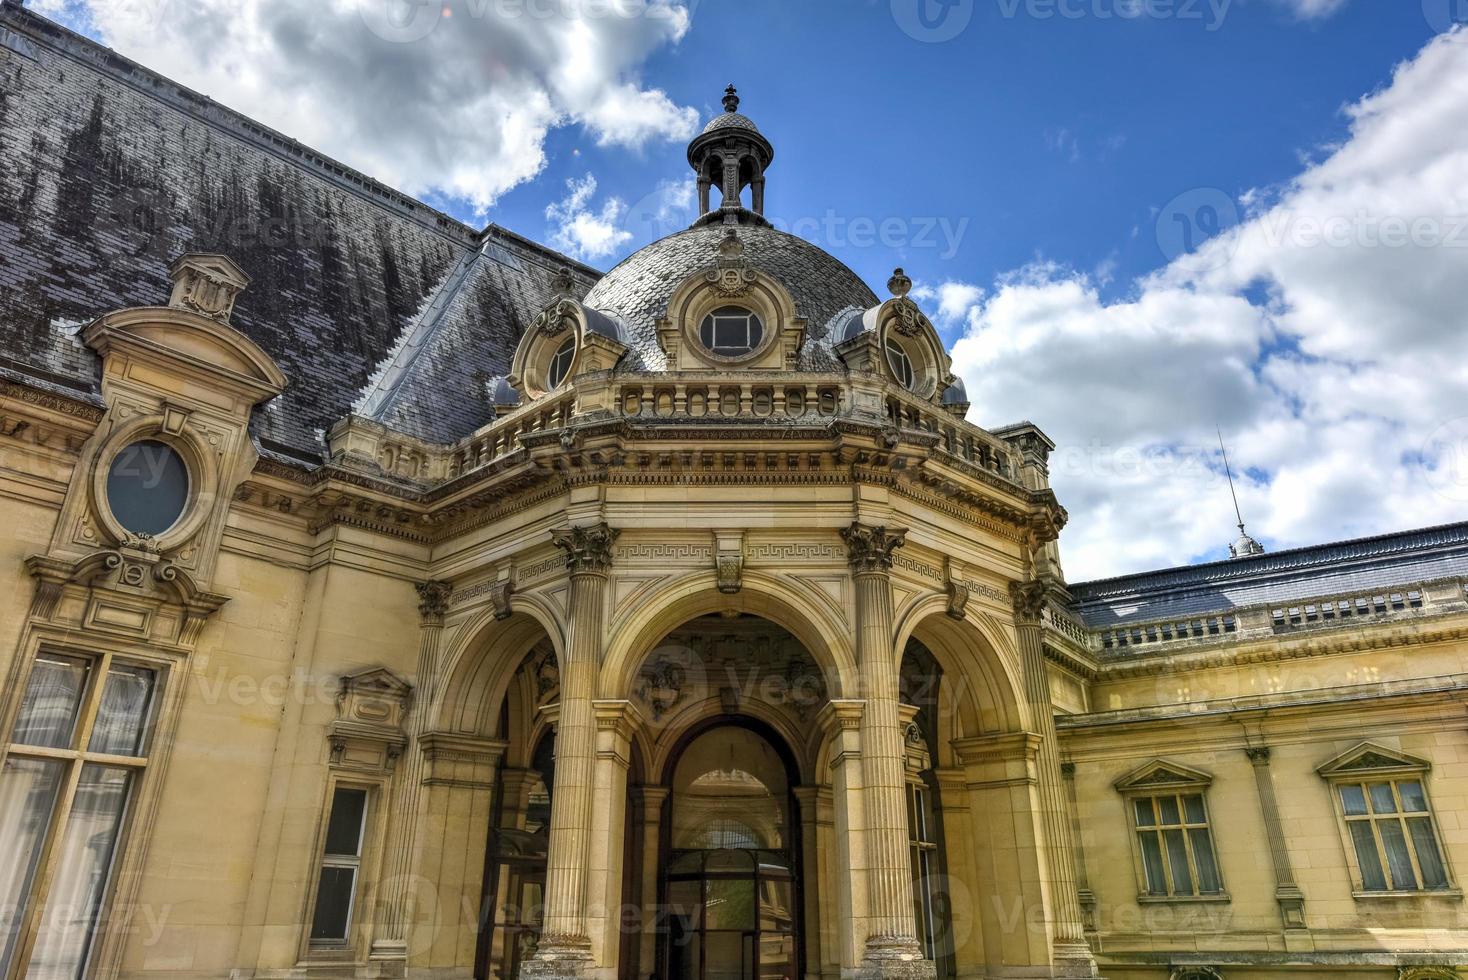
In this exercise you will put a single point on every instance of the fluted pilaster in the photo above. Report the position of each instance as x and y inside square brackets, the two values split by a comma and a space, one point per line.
[565, 949]
[391, 943]
[892, 948]
[1073, 956]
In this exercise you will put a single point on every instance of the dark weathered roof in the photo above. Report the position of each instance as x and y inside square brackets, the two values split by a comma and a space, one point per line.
[109, 171]
[731, 120]
[1365, 565]
[637, 291]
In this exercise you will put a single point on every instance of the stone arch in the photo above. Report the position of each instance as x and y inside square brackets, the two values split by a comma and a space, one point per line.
[971, 651]
[785, 603]
[697, 716]
[479, 666]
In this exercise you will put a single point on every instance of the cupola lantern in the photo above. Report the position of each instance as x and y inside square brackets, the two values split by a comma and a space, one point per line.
[731, 154]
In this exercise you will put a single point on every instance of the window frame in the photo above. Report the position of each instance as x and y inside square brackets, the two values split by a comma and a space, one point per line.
[1368, 764]
[141, 794]
[567, 349]
[751, 316]
[364, 893]
[891, 349]
[1163, 779]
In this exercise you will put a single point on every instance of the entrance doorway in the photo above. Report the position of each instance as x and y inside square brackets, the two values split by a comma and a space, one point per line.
[731, 842]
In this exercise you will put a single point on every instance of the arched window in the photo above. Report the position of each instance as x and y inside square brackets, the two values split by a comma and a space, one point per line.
[731, 331]
[560, 364]
[900, 363]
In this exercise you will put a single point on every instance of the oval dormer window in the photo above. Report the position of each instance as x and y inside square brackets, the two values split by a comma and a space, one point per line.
[731, 331]
[560, 364]
[900, 363]
[147, 487]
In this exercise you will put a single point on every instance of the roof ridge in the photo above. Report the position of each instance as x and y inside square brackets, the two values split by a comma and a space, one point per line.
[1275, 563]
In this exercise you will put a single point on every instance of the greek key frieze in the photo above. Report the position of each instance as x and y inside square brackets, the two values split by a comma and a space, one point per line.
[918, 567]
[664, 552]
[796, 552]
[541, 569]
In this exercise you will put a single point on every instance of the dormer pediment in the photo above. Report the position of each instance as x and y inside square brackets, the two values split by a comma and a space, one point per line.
[1369, 758]
[1160, 774]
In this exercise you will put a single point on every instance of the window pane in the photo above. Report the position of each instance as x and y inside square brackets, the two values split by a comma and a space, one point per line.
[1413, 799]
[776, 957]
[1382, 800]
[1202, 842]
[344, 831]
[1167, 805]
[1152, 863]
[122, 717]
[83, 869]
[333, 904]
[776, 905]
[1353, 798]
[1145, 817]
[147, 487]
[728, 957]
[1403, 879]
[52, 698]
[730, 904]
[1429, 858]
[685, 903]
[1177, 856]
[1373, 879]
[1193, 808]
[28, 789]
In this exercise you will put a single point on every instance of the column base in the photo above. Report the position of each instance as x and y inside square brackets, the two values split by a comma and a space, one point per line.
[559, 958]
[894, 958]
[1075, 960]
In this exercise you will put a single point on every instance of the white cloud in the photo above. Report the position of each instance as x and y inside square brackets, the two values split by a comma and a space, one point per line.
[582, 232]
[1313, 9]
[1319, 333]
[453, 96]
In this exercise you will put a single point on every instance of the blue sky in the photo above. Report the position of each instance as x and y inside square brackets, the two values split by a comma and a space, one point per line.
[1134, 221]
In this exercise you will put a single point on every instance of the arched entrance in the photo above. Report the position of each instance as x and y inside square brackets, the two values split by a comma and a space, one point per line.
[731, 879]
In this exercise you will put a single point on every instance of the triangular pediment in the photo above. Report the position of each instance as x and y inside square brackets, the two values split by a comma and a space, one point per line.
[378, 680]
[1369, 757]
[1161, 774]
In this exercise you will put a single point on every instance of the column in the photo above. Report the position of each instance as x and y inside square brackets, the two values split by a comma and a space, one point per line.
[565, 950]
[653, 798]
[1083, 877]
[618, 721]
[1286, 892]
[391, 942]
[1072, 954]
[892, 948]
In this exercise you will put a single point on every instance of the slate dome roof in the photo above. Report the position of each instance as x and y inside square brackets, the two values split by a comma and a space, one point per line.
[637, 291]
[731, 120]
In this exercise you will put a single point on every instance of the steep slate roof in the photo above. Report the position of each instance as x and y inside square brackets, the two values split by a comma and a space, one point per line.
[637, 290]
[1365, 566]
[108, 171]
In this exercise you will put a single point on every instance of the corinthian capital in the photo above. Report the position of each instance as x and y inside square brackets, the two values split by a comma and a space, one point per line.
[433, 600]
[870, 548]
[588, 549]
[1030, 599]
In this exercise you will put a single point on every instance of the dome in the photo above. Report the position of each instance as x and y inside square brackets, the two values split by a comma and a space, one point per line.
[730, 120]
[956, 393]
[501, 394]
[637, 291]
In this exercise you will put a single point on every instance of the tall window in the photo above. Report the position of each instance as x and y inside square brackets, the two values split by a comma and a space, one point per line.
[731, 331]
[78, 750]
[1176, 845]
[923, 842]
[341, 868]
[1391, 830]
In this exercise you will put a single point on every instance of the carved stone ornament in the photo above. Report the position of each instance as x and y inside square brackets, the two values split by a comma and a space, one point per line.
[588, 549]
[1428, 973]
[660, 686]
[900, 284]
[433, 600]
[556, 318]
[141, 575]
[957, 600]
[207, 284]
[1030, 599]
[731, 276]
[368, 733]
[499, 598]
[564, 283]
[870, 549]
[731, 573]
[1195, 973]
[909, 320]
[547, 674]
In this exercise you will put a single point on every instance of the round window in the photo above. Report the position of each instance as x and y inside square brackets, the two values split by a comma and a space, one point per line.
[560, 364]
[901, 364]
[147, 487]
[731, 331]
